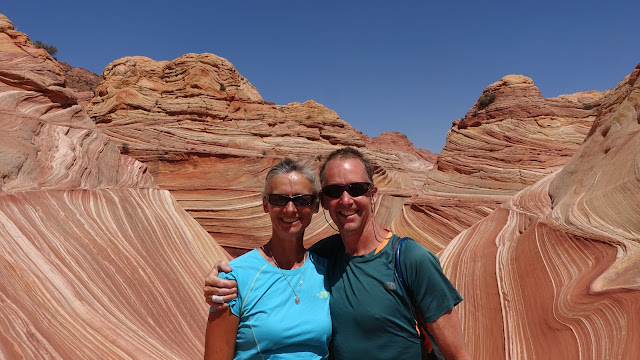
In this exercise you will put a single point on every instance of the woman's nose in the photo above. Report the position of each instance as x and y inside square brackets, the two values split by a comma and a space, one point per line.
[290, 207]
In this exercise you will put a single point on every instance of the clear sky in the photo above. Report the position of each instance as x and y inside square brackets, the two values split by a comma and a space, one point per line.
[407, 66]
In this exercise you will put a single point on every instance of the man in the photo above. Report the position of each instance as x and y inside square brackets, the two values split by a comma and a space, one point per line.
[370, 312]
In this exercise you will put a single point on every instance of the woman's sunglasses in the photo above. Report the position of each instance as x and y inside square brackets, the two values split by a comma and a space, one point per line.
[354, 189]
[297, 200]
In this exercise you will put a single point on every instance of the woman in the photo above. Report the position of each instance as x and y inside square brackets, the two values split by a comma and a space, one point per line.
[283, 301]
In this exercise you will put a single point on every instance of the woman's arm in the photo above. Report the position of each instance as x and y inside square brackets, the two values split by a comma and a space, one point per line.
[220, 338]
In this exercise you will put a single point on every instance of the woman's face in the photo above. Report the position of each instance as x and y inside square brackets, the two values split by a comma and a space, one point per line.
[289, 220]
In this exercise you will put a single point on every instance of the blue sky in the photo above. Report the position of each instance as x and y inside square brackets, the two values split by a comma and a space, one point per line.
[407, 66]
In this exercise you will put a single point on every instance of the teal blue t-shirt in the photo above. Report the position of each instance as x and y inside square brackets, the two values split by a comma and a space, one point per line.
[271, 325]
[371, 315]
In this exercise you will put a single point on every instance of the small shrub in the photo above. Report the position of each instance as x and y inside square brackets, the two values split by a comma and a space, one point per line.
[222, 87]
[52, 50]
[308, 117]
[587, 106]
[125, 148]
[486, 99]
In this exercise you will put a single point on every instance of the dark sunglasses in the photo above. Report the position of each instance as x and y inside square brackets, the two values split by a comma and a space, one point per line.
[354, 189]
[298, 200]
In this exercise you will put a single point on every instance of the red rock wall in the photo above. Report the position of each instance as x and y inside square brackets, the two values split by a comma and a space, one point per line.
[532, 206]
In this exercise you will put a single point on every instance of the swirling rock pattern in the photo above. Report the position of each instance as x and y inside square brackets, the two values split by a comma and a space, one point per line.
[553, 272]
[497, 149]
[96, 261]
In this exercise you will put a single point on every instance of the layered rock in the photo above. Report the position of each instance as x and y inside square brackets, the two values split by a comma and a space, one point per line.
[96, 261]
[206, 134]
[510, 139]
[553, 272]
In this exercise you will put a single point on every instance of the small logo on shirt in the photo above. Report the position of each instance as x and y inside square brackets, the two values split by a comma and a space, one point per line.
[389, 285]
[323, 295]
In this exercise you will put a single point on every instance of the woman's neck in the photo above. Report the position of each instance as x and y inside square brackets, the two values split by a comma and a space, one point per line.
[284, 253]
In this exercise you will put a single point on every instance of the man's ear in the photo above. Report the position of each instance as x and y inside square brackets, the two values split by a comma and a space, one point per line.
[265, 204]
[374, 195]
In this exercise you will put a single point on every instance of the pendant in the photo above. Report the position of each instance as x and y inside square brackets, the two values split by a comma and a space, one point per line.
[297, 300]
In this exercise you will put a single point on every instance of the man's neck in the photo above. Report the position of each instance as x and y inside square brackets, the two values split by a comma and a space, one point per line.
[361, 243]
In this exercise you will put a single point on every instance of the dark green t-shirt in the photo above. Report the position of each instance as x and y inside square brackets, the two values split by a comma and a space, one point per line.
[370, 314]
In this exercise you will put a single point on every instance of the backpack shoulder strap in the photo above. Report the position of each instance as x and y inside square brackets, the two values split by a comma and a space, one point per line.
[396, 264]
[427, 341]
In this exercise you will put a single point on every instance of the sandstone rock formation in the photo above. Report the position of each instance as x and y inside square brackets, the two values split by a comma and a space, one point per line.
[82, 81]
[96, 261]
[206, 134]
[536, 226]
[509, 140]
[553, 272]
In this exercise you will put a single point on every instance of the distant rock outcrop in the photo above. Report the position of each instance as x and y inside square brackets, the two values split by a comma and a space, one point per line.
[510, 139]
[82, 81]
[96, 261]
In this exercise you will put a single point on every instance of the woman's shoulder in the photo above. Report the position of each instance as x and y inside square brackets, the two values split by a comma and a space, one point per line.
[248, 257]
[247, 263]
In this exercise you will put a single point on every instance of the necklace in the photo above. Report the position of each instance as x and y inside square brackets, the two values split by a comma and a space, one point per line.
[297, 299]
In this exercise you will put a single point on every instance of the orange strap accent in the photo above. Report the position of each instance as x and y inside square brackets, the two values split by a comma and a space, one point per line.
[384, 243]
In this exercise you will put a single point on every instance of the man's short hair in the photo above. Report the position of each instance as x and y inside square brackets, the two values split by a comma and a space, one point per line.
[347, 153]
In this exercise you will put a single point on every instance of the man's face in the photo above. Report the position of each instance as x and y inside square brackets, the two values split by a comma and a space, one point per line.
[349, 213]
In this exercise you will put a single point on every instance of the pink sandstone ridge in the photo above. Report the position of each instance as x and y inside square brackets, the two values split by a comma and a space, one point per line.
[553, 272]
[96, 261]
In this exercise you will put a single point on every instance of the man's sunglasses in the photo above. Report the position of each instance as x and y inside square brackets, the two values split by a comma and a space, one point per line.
[298, 200]
[354, 189]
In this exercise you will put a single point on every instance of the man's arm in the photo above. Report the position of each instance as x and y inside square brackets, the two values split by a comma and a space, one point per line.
[224, 290]
[220, 336]
[435, 298]
[447, 333]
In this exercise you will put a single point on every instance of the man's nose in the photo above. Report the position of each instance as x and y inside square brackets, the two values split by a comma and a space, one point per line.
[345, 197]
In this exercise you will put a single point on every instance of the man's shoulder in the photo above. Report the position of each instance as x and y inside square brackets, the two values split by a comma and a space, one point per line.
[327, 246]
[414, 253]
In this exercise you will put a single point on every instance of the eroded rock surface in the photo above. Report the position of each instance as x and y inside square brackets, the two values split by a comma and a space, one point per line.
[553, 272]
[206, 134]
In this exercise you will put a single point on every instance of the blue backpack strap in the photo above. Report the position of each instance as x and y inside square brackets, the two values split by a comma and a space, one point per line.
[396, 264]
[426, 336]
